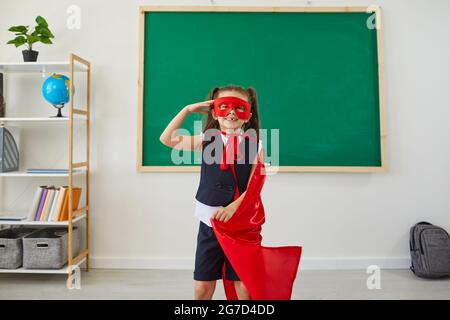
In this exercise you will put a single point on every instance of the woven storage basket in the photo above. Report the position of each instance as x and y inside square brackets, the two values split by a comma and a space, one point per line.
[11, 249]
[47, 248]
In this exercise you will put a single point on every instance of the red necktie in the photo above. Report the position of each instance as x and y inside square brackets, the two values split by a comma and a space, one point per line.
[229, 155]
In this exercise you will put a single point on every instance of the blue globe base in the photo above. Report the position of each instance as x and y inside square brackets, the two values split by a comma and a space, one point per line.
[59, 114]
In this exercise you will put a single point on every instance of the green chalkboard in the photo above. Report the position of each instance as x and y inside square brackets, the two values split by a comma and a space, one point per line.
[316, 74]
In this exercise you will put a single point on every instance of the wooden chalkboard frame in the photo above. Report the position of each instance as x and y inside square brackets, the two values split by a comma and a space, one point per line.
[382, 107]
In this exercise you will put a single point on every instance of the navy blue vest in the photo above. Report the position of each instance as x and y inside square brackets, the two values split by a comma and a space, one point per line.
[217, 187]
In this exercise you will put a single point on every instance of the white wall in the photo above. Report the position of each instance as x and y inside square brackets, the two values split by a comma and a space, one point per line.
[342, 220]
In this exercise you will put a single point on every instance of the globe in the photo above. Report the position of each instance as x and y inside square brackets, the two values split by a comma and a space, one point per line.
[55, 90]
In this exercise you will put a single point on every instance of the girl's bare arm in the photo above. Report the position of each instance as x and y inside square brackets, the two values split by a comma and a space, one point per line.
[170, 136]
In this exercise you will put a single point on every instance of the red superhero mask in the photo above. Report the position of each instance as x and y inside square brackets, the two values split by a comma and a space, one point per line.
[223, 105]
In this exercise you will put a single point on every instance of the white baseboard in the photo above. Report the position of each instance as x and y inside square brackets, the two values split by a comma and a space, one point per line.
[142, 263]
[305, 264]
[354, 263]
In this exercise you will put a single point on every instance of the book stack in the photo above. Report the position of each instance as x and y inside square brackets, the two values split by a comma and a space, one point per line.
[51, 203]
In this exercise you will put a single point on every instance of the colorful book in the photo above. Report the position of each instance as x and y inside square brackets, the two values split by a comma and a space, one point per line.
[59, 204]
[76, 193]
[41, 203]
[63, 215]
[46, 204]
[35, 204]
[53, 207]
[50, 203]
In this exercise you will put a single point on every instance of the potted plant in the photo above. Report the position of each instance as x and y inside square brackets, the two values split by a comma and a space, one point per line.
[24, 36]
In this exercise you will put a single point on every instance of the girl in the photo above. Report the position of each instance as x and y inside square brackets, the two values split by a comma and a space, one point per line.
[229, 151]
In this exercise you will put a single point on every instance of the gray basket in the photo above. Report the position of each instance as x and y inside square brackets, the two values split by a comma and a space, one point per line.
[11, 249]
[47, 248]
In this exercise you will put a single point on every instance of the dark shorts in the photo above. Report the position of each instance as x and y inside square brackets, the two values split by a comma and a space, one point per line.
[209, 257]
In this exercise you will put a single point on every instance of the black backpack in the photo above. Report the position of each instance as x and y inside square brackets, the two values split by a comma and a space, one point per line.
[430, 251]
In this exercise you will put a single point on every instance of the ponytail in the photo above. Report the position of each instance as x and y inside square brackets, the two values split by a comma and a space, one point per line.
[253, 123]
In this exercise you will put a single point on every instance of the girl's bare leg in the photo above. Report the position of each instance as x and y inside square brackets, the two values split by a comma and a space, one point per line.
[241, 291]
[204, 290]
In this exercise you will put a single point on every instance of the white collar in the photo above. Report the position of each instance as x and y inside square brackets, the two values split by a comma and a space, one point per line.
[225, 137]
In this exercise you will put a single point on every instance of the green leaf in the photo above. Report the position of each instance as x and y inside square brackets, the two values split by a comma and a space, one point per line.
[32, 39]
[46, 40]
[20, 29]
[44, 32]
[17, 41]
[21, 39]
[41, 21]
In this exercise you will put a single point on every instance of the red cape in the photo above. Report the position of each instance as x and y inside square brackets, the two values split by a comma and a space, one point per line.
[268, 273]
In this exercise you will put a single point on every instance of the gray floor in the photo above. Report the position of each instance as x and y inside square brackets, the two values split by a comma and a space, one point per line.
[177, 284]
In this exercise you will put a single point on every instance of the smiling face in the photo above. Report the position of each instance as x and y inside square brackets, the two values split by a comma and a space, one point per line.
[230, 122]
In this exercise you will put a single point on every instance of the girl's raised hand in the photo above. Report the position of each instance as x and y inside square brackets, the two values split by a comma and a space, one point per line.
[200, 107]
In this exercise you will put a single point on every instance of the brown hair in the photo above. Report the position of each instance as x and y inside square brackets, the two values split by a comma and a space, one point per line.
[250, 92]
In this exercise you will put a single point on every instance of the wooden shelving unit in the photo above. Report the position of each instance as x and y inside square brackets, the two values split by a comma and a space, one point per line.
[33, 67]
[63, 270]
[75, 219]
[21, 173]
[36, 120]
[74, 64]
